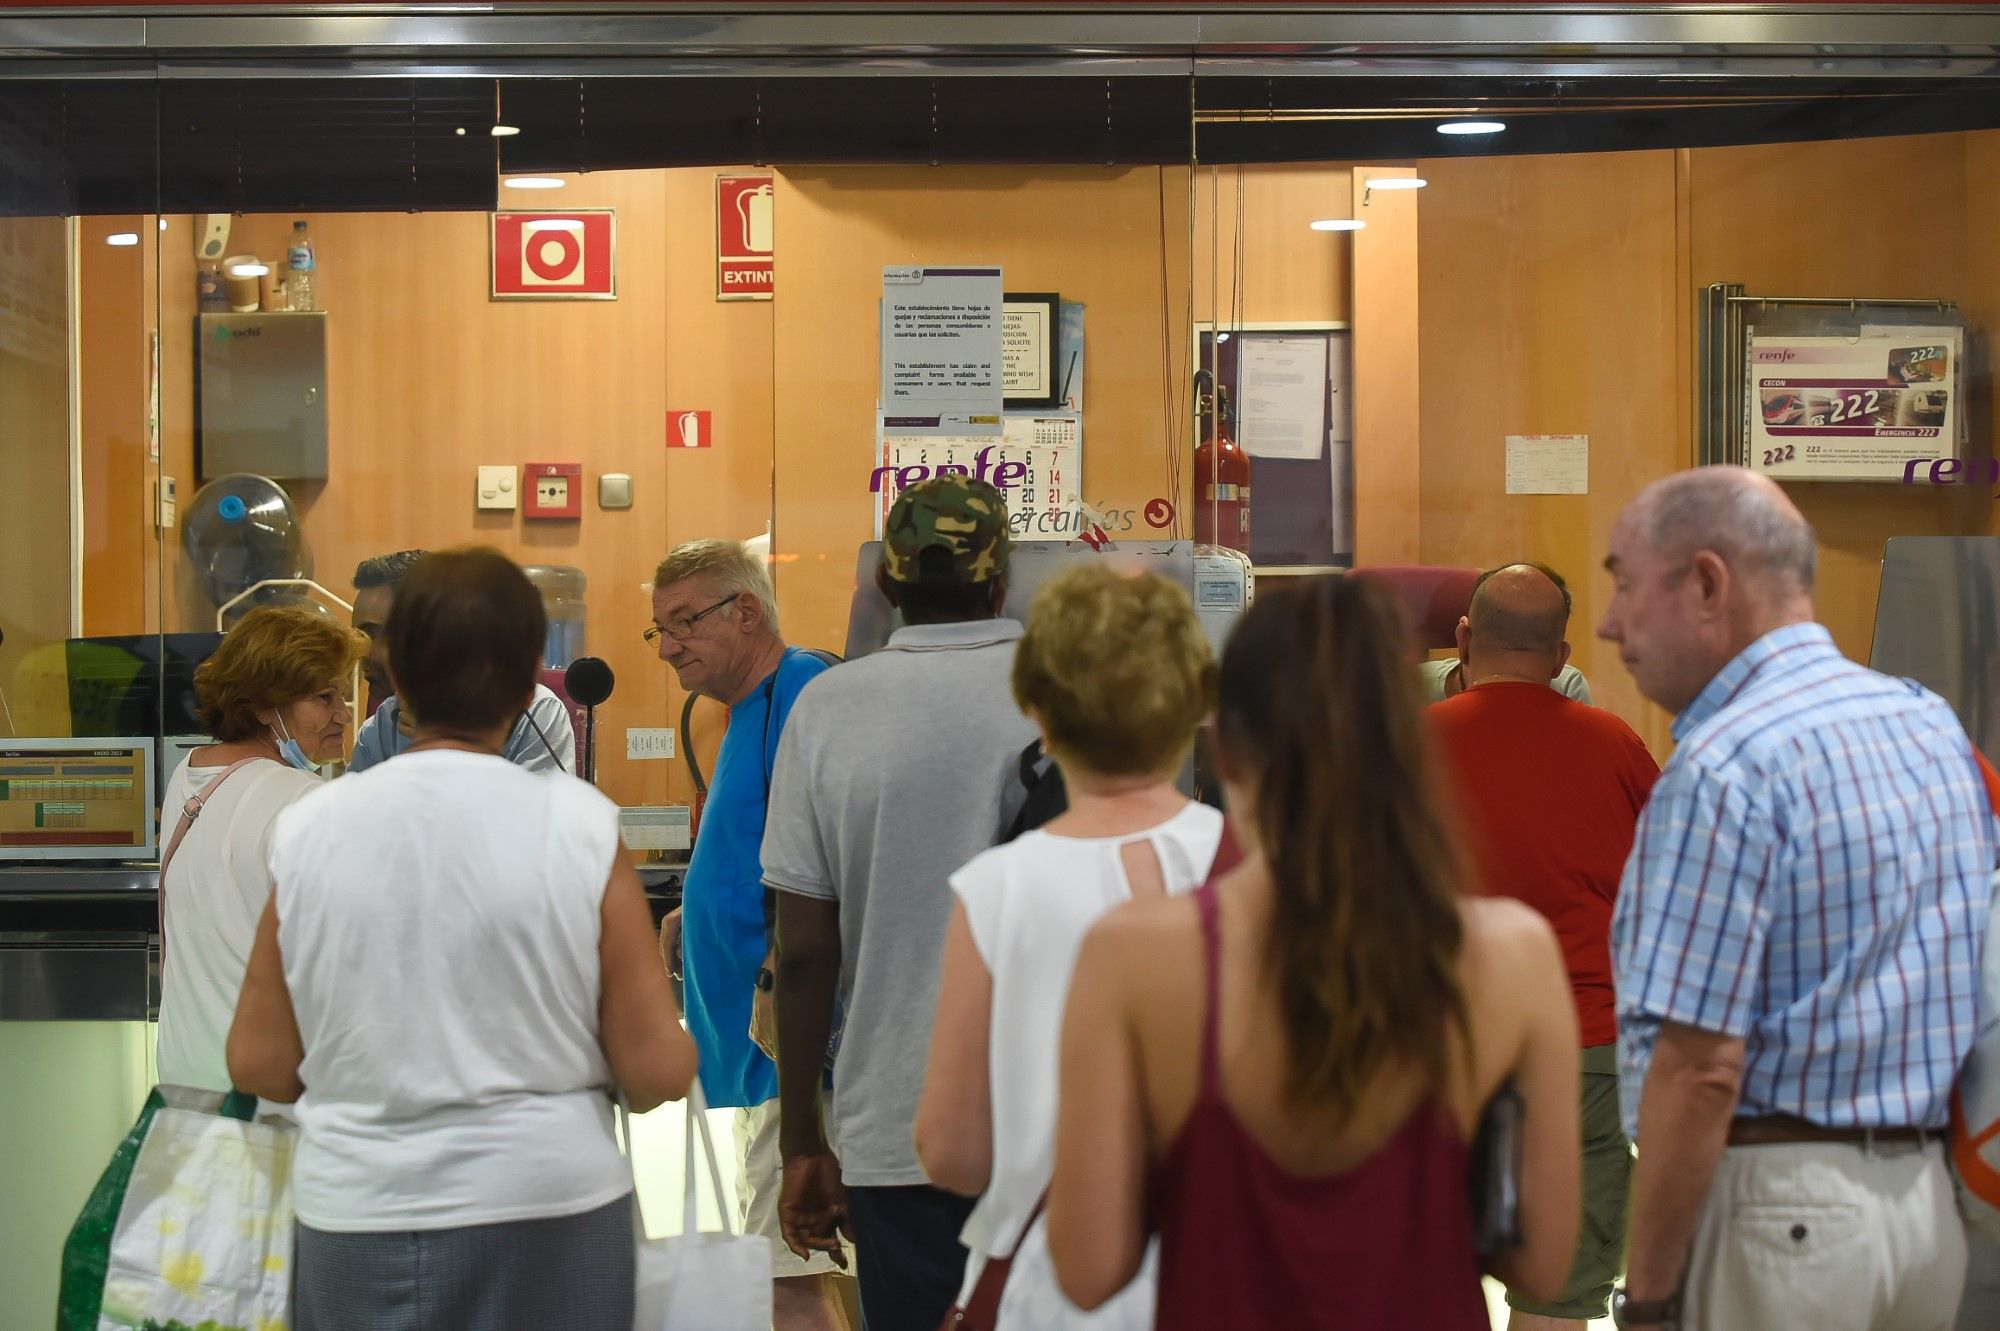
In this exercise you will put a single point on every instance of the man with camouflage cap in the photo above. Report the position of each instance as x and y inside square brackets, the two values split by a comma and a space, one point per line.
[895, 770]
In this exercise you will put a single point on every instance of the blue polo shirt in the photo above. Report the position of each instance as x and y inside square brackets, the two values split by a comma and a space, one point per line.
[722, 910]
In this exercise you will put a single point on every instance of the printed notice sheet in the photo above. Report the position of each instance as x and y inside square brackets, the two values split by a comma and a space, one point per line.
[1548, 464]
[1284, 390]
[941, 350]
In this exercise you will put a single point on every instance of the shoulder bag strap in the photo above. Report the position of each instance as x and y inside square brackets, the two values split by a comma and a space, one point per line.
[981, 1311]
[190, 811]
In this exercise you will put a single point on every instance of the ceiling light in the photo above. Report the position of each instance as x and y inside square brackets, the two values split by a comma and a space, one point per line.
[1338, 224]
[533, 182]
[1471, 127]
[248, 269]
[163, 224]
[122, 238]
[1396, 182]
[505, 131]
[460, 131]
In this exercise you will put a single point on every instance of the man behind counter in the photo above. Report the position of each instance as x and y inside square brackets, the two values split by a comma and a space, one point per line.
[1445, 678]
[542, 740]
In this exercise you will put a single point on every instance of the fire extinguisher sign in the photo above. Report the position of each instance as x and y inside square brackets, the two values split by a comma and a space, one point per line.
[743, 227]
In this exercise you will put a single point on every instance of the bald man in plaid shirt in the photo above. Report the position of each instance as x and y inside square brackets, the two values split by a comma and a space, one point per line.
[1797, 942]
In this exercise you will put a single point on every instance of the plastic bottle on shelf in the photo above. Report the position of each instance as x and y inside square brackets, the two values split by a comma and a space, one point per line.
[299, 259]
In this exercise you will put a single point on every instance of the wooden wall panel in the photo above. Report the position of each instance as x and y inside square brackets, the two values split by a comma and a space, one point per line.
[428, 379]
[1389, 501]
[1806, 220]
[114, 320]
[1288, 271]
[34, 469]
[1095, 235]
[1549, 297]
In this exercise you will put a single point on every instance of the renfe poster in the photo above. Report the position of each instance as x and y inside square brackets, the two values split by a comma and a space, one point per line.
[1859, 408]
[941, 350]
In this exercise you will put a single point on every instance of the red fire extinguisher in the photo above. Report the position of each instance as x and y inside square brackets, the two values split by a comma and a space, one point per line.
[1221, 480]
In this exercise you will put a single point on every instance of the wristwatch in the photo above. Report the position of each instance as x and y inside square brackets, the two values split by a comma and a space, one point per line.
[766, 981]
[1659, 1312]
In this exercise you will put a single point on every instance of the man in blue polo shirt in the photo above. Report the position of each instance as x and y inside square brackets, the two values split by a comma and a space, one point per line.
[715, 621]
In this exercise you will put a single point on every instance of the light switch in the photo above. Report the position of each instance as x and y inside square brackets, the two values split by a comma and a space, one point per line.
[614, 490]
[497, 488]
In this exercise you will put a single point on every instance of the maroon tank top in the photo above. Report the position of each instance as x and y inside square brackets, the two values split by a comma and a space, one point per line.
[1244, 1243]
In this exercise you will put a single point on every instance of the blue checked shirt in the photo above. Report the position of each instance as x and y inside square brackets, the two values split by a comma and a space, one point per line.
[1811, 875]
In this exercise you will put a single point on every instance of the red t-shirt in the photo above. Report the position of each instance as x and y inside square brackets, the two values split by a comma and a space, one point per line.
[1550, 791]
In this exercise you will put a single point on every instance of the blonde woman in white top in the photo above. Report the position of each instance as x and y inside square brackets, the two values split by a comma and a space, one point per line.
[1116, 672]
[272, 695]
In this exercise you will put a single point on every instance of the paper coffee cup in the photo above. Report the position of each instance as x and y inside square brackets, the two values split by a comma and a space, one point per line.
[240, 278]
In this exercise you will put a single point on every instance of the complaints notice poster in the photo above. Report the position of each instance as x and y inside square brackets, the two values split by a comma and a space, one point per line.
[941, 351]
[1855, 408]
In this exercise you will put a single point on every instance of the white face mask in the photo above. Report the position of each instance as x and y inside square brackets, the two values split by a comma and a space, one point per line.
[290, 750]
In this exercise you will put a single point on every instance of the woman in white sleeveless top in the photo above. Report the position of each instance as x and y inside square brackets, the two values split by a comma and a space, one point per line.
[1116, 672]
[455, 970]
[272, 696]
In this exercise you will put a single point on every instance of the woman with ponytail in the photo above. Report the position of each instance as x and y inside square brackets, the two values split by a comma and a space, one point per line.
[1281, 1074]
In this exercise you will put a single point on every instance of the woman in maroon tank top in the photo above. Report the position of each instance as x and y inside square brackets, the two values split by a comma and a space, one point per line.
[1280, 1075]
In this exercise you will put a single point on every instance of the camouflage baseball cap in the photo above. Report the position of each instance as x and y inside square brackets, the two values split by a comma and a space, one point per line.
[963, 516]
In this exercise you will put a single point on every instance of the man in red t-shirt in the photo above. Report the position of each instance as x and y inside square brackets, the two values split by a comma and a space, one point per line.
[1549, 791]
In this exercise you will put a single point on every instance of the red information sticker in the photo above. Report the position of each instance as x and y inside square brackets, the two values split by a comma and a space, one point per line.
[555, 256]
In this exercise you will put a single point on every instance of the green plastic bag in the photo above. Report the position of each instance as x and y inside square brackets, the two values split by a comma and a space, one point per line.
[195, 1176]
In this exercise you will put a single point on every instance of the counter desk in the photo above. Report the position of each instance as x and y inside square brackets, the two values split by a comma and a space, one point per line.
[82, 943]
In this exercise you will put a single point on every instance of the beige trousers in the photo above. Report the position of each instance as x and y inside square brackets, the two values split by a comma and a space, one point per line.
[1827, 1238]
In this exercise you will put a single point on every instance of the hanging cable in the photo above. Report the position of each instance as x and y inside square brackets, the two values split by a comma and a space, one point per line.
[1171, 399]
[1237, 268]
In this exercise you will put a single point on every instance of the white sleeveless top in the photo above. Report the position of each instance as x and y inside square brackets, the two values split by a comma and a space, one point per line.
[1029, 904]
[439, 922]
[221, 881]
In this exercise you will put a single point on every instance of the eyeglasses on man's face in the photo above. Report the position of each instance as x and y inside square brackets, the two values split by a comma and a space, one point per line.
[678, 627]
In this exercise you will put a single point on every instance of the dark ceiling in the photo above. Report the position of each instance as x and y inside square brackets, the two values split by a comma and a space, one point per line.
[219, 144]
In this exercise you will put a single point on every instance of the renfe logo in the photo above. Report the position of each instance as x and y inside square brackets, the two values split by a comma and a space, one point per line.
[1954, 471]
[1774, 356]
[1005, 476]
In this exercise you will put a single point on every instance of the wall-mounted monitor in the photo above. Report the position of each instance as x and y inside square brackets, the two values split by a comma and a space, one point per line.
[77, 799]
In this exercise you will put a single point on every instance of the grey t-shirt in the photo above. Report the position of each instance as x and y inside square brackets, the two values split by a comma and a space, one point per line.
[894, 770]
[1436, 675]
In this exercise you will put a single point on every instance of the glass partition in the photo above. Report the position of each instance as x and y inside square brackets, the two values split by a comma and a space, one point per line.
[79, 649]
[224, 384]
[1528, 347]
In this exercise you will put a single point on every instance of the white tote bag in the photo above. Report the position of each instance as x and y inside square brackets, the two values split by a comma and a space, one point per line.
[203, 1235]
[695, 1281]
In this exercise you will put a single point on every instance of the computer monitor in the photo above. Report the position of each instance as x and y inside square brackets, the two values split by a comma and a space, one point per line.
[1937, 621]
[77, 799]
[141, 684]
